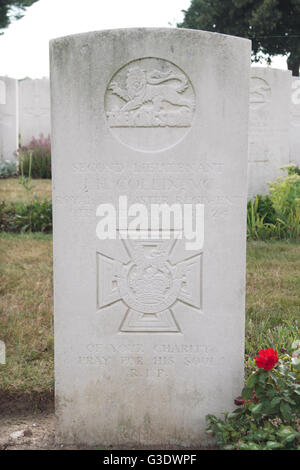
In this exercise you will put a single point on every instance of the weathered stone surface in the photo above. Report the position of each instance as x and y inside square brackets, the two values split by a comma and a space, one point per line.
[8, 118]
[149, 337]
[268, 127]
[34, 109]
[2, 92]
[295, 122]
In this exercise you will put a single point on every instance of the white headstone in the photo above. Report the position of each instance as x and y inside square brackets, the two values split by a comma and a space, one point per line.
[268, 127]
[149, 337]
[9, 119]
[295, 122]
[2, 353]
[2, 92]
[34, 105]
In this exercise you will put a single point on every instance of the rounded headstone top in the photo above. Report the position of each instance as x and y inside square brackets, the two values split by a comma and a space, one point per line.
[146, 30]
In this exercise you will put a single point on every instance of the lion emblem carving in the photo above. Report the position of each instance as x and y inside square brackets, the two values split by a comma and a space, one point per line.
[150, 98]
[154, 87]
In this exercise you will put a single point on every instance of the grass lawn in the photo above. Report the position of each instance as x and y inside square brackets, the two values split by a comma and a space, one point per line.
[12, 191]
[26, 311]
[273, 296]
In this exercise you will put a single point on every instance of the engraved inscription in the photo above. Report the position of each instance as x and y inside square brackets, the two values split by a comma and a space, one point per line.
[149, 285]
[149, 104]
[157, 361]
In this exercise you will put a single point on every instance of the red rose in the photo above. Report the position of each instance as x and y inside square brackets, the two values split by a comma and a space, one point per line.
[266, 359]
[239, 401]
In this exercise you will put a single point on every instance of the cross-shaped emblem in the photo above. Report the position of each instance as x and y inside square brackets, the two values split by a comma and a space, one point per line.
[149, 285]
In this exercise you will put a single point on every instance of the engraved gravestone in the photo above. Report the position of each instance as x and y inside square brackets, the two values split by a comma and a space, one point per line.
[34, 109]
[8, 118]
[149, 334]
[295, 122]
[268, 127]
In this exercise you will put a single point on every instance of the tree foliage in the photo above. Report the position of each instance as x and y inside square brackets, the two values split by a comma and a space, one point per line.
[272, 25]
[12, 10]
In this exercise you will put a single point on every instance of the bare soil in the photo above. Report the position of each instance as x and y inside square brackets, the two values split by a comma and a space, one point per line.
[28, 432]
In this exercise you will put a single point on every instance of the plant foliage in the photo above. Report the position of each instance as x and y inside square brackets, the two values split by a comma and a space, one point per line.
[268, 413]
[7, 169]
[20, 217]
[272, 25]
[12, 10]
[35, 159]
[276, 216]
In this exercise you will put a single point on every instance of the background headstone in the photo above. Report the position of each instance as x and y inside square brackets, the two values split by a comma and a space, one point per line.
[2, 353]
[34, 109]
[158, 115]
[9, 119]
[268, 127]
[2, 92]
[295, 122]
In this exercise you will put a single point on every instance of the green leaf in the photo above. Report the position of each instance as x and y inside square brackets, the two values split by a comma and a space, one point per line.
[263, 377]
[250, 446]
[275, 402]
[289, 400]
[256, 409]
[247, 393]
[236, 412]
[258, 435]
[286, 411]
[273, 445]
[266, 407]
[252, 380]
[220, 426]
[228, 447]
[290, 438]
[272, 393]
[285, 431]
[253, 446]
[274, 377]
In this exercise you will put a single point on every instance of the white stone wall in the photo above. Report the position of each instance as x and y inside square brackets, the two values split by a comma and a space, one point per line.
[8, 118]
[34, 109]
[295, 121]
[2, 92]
[269, 127]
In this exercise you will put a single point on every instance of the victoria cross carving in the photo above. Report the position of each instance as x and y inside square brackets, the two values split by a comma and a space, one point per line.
[149, 285]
